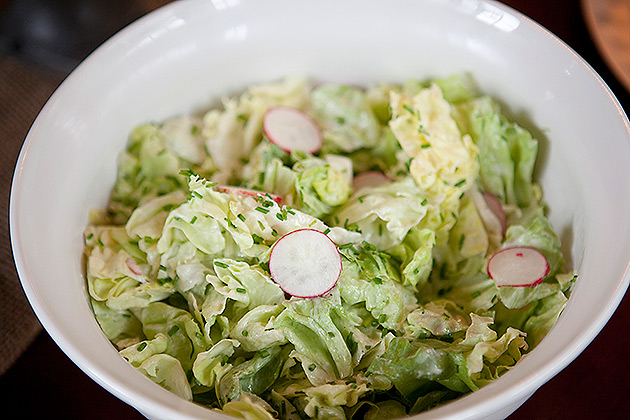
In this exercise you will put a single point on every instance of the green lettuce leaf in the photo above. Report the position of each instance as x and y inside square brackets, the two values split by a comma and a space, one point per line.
[346, 117]
[384, 215]
[166, 371]
[507, 152]
[253, 376]
[249, 407]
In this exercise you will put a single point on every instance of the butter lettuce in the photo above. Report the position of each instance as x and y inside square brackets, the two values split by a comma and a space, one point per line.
[346, 117]
[177, 266]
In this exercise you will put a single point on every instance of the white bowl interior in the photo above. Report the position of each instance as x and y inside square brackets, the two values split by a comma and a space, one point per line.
[185, 56]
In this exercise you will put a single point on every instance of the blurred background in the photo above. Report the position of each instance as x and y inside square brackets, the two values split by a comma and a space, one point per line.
[42, 41]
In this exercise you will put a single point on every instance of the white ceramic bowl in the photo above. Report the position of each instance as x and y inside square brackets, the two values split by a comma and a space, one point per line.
[184, 56]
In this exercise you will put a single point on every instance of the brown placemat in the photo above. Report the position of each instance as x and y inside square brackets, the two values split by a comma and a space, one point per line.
[24, 88]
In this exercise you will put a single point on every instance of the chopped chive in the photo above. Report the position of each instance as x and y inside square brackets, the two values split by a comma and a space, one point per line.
[163, 281]
[408, 109]
[425, 146]
[197, 194]
[193, 220]
[257, 239]
[331, 334]
[245, 333]
[224, 359]
[262, 210]
[312, 367]
[460, 183]
[241, 290]
[240, 216]
[424, 202]
[382, 318]
[327, 231]
[90, 236]
[221, 264]
[173, 330]
[142, 346]
[264, 353]
[261, 225]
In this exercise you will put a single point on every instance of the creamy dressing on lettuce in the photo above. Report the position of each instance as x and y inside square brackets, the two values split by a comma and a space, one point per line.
[178, 275]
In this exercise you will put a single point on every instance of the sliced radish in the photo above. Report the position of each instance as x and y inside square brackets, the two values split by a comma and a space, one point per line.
[133, 266]
[518, 267]
[246, 191]
[291, 129]
[369, 179]
[305, 263]
[494, 204]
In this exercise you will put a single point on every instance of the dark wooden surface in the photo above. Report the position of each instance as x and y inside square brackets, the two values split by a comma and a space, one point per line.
[45, 383]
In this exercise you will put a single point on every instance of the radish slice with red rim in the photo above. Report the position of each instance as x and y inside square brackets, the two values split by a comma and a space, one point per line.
[133, 266]
[246, 191]
[305, 263]
[291, 129]
[369, 179]
[518, 267]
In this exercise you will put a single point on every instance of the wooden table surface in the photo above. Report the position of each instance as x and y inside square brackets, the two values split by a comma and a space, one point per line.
[44, 383]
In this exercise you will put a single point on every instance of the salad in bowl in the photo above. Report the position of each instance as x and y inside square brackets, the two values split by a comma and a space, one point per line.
[328, 251]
